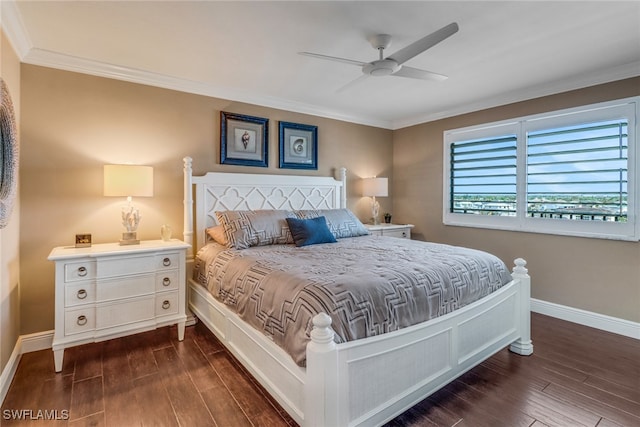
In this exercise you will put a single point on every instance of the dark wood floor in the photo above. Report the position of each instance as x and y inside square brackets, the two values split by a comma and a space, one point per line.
[578, 376]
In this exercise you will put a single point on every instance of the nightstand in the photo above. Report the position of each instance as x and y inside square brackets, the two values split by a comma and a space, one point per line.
[106, 291]
[391, 230]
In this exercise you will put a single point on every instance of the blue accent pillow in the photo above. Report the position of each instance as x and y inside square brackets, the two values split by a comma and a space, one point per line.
[310, 231]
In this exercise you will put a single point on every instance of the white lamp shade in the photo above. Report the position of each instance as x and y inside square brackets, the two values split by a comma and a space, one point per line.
[375, 187]
[128, 181]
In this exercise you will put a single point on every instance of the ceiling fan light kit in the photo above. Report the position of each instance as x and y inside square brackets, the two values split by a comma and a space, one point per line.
[393, 64]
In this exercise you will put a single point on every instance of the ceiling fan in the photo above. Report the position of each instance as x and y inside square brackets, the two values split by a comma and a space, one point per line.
[393, 65]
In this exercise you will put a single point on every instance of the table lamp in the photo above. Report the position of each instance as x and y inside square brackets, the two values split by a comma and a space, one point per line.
[375, 187]
[129, 181]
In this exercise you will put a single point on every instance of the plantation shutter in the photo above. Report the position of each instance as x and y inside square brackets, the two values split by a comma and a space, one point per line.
[578, 172]
[483, 176]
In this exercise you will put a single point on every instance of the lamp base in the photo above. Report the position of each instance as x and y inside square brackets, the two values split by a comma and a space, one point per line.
[375, 211]
[129, 238]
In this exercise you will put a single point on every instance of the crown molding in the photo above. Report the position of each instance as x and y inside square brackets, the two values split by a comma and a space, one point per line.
[46, 58]
[56, 60]
[571, 83]
[13, 26]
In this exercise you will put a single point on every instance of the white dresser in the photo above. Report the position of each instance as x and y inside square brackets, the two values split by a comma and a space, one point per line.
[391, 230]
[107, 291]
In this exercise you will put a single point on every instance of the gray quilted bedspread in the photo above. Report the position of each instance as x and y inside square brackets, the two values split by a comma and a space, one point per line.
[369, 285]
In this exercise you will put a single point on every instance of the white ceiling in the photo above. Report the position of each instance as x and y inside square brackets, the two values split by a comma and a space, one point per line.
[247, 51]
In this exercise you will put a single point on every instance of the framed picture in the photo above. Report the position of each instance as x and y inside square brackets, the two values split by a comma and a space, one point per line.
[83, 240]
[244, 140]
[298, 146]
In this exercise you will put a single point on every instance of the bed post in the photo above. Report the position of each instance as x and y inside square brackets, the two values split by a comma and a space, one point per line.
[523, 345]
[187, 233]
[321, 400]
[343, 192]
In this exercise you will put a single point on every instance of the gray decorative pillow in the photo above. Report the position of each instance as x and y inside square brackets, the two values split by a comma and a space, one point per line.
[244, 229]
[342, 222]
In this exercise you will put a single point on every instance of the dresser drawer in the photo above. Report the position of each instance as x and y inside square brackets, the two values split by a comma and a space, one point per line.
[167, 280]
[168, 261]
[124, 266]
[122, 312]
[167, 303]
[79, 320]
[403, 234]
[125, 287]
[81, 270]
[79, 293]
[402, 231]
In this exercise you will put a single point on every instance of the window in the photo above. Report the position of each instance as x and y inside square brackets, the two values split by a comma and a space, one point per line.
[568, 172]
[579, 172]
[483, 176]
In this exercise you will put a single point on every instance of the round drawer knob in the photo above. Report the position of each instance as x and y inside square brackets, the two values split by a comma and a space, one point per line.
[166, 281]
[82, 320]
[82, 271]
[82, 294]
[166, 262]
[166, 304]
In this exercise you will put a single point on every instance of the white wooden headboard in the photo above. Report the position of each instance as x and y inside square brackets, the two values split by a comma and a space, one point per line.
[218, 191]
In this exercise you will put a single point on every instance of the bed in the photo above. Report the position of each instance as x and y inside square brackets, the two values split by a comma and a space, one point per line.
[365, 381]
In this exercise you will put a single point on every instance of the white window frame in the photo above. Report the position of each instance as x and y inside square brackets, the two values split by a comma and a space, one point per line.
[630, 230]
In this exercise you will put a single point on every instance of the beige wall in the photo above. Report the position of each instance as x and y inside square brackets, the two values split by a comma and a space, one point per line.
[596, 275]
[9, 236]
[73, 124]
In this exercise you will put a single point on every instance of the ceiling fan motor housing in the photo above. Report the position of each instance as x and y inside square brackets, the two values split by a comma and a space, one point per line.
[381, 67]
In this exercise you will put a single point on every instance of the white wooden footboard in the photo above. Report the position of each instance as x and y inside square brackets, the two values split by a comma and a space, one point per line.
[369, 381]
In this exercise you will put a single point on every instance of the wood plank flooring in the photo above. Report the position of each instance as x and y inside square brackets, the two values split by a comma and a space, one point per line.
[578, 376]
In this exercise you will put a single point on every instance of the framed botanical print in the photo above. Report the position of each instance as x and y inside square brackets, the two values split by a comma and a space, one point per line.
[298, 146]
[244, 140]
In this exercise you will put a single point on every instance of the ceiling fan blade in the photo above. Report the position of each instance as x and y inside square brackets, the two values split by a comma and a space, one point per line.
[416, 73]
[333, 58]
[416, 48]
[353, 83]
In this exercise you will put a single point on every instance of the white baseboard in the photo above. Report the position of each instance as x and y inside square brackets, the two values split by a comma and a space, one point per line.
[191, 319]
[36, 342]
[587, 318]
[10, 370]
[24, 344]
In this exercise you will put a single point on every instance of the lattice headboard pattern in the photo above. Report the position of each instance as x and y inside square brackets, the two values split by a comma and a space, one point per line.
[232, 191]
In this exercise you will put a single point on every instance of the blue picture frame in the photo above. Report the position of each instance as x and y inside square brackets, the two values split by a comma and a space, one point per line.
[244, 140]
[298, 146]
